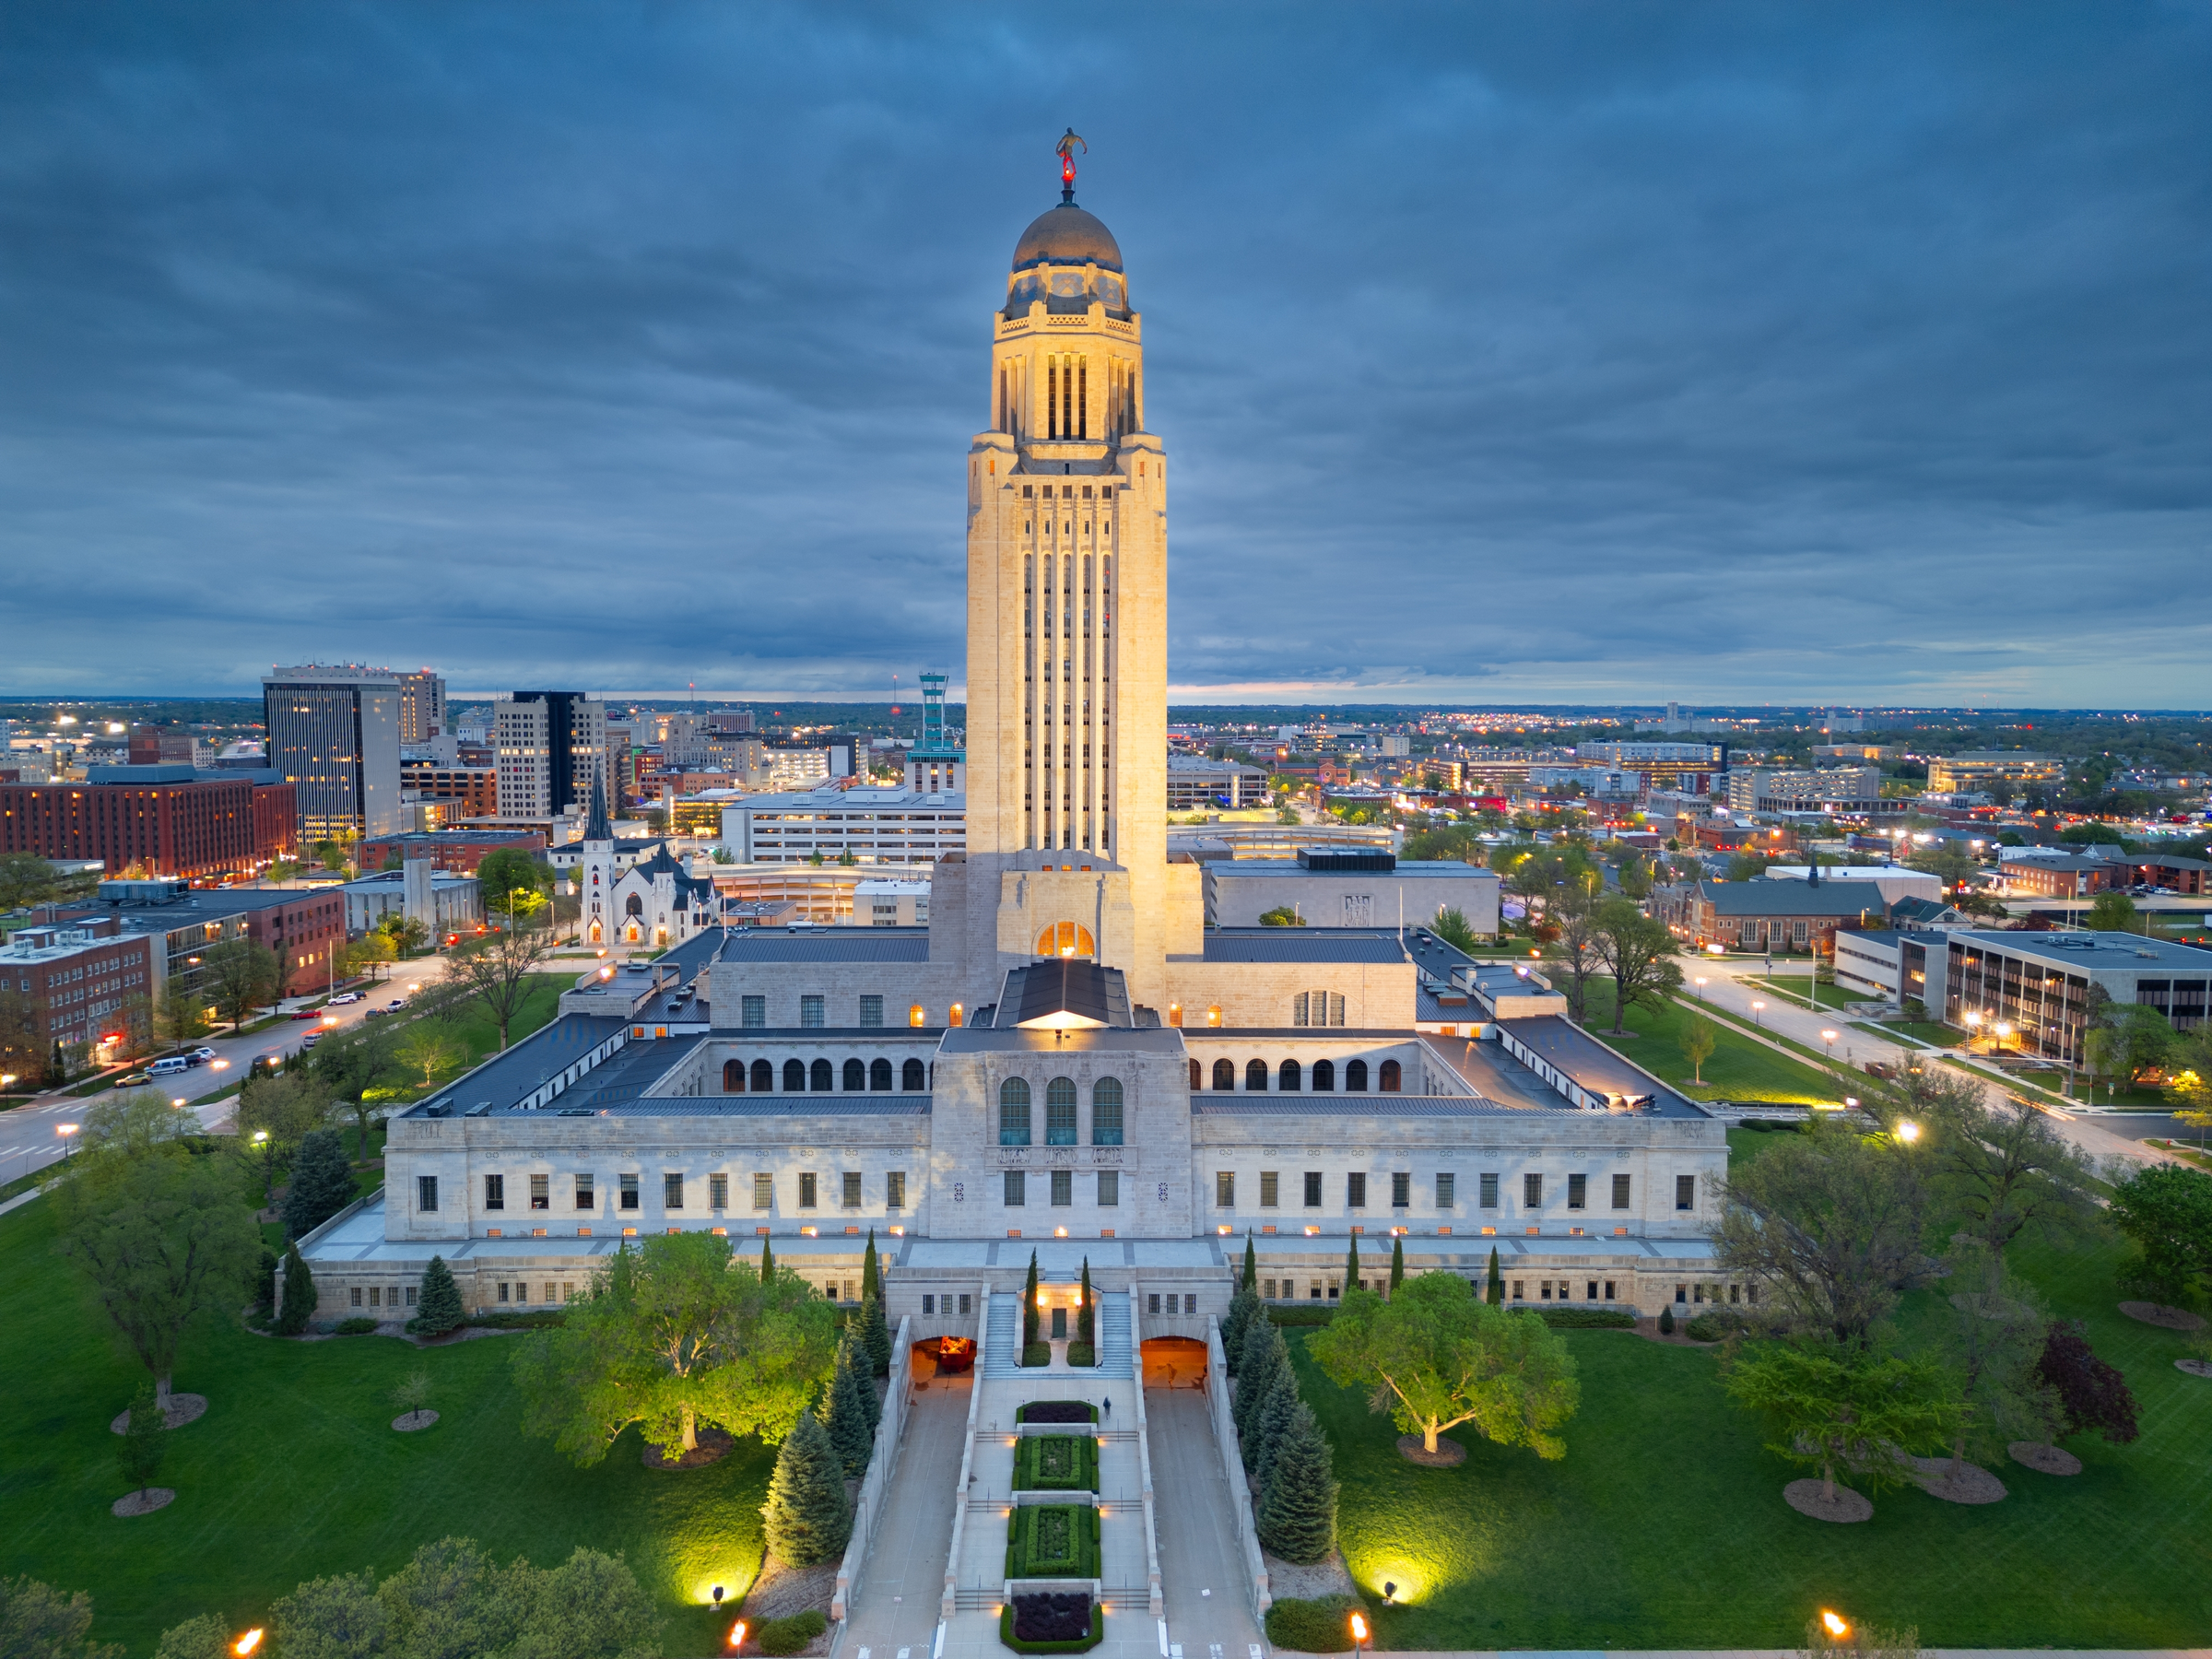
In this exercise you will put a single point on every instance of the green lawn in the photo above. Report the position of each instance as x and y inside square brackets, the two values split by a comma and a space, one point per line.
[476, 1031]
[1805, 993]
[294, 1471]
[1741, 1069]
[1665, 1527]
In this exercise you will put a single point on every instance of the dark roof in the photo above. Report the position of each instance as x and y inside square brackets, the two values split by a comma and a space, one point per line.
[1066, 986]
[693, 954]
[1111, 1039]
[829, 945]
[1303, 944]
[513, 1075]
[1068, 235]
[1577, 1054]
[595, 827]
[1766, 896]
[1451, 869]
[1224, 1103]
[761, 1106]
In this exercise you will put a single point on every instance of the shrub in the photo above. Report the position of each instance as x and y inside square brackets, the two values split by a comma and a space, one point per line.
[1052, 1541]
[787, 1636]
[1082, 1353]
[1056, 1462]
[1667, 1321]
[1067, 1611]
[1056, 1411]
[538, 1318]
[1037, 1353]
[1716, 1325]
[1587, 1319]
[299, 1294]
[265, 1292]
[1320, 1626]
[360, 1325]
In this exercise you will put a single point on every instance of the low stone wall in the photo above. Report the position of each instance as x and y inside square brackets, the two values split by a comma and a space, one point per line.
[868, 1512]
[1232, 1464]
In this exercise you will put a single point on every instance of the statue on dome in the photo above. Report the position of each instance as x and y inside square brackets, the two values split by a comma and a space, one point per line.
[1065, 150]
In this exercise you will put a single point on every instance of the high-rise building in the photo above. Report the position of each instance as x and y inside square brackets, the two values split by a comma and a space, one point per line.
[421, 706]
[334, 732]
[549, 749]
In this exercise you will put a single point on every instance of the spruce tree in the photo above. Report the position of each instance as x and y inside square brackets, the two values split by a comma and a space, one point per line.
[1244, 1308]
[299, 1305]
[1267, 1356]
[143, 1445]
[1085, 1324]
[321, 1182]
[871, 1271]
[807, 1518]
[1351, 1266]
[875, 1336]
[1297, 1517]
[1028, 1303]
[1397, 1264]
[1493, 1291]
[849, 1420]
[768, 1262]
[1251, 1264]
[1272, 1425]
[440, 1309]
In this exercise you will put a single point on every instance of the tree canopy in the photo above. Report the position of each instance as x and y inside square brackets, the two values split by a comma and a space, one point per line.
[2166, 1210]
[1825, 1403]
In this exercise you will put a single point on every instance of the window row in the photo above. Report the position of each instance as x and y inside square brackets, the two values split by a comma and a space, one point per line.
[814, 1013]
[1445, 1187]
[1060, 1186]
[823, 1076]
[1290, 1077]
[1189, 1308]
[676, 1189]
[929, 1305]
[1566, 1290]
[1016, 1122]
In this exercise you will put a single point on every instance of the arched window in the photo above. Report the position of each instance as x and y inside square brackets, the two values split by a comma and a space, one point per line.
[1197, 1077]
[879, 1075]
[1225, 1074]
[1060, 1112]
[1213, 1014]
[822, 1081]
[856, 1075]
[1065, 940]
[1324, 1076]
[1106, 1110]
[1256, 1076]
[911, 1078]
[1014, 1112]
[1355, 1076]
[633, 906]
[1291, 1077]
[794, 1077]
[1391, 1074]
[913, 1014]
[732, 1077]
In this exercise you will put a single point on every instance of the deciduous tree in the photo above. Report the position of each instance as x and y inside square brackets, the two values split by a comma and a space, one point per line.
[494, 971]
[1827, 1404]
[237, 976]
[25, 878]
[1996, 1339]
[1699, 1040]
[2000, 1167]
[37, 1621]
[1638, 951]
[1574, 913]
[144, 1445]
[350, 1067]
[1435, 1358]
[2091, 1394]
[2166, 1210]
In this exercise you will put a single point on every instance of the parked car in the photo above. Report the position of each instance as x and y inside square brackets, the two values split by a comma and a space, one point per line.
[350, 996]
[307, 1012]
[203, 1052]
[168, 1066]
[374, 1013]
[309, 1040]
[396, 1004]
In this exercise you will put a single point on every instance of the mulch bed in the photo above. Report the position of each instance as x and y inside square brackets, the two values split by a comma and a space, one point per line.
[144, 1503]
[2045, 1460]
[1449, 1453]
[2165, 1319]
[713, 1446]
[1804, 1496]
[410, 1423]
[782, 1590]
[183, 1409]
[1968, 1483]
[1329, 1577]
[2196, 1368]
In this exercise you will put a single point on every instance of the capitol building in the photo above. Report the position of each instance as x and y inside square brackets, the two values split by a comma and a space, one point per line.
[1066, 1059]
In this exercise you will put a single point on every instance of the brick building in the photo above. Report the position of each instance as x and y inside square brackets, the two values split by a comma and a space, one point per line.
[1770, 915]
[89, 984]
[304, 927]
[456, 851]
[472, 790]
[2061, 874]
[165, 820]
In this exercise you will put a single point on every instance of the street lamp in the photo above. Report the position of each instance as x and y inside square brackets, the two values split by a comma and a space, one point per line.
[1907, 1132]
[68, 1133]
[1828, 1040]
[1700, 985]
[1360, 1634]
[1757, 1009]
[2004, 1031]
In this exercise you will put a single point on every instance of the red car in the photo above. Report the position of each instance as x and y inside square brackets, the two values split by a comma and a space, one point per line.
[307, 1012]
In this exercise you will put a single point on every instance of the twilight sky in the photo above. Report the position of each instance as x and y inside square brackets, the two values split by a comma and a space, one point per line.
[1506, 351]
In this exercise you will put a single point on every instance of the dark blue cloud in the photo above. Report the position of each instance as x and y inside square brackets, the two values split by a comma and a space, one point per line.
[1573, 352]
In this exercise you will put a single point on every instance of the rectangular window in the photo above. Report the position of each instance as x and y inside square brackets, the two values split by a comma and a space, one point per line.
[1609, 1296]
[1268, 1189]
[1018, 1189]
[426, 1193]
[1109, 1188]
[929, 1306]
[356, 1298]
[522, 1290]
[568, 1291]
[1355, 1191]
[1190, 1303]
[764, 1191]
[1686, 1192]
[1152, 1302]
[964, 1307]
[810, 1011]
[1532, 1192]
[1313, 1189]
[1445, 1185]
[1520, 1289]
[754, 1015]
[851, 1184]
[1064, 1187]
[894, 1190]
[871, 1012]
[807, 1191]
[1578, 1191]
[495, 1192]
[375, 1296]
[1225, 1188]
[1105, 1120]
[586, 1197]
[629, 1199]
[718, 1192]
[541, 1192]
[410, 1296]
[672, 1192]
[1490, 1192]
[1621, 1192]
[1060, 1120]
[1401, 1189]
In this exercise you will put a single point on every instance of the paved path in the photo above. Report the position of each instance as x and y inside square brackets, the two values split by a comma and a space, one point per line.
[1776, 1653]
[1201, 1568]
[896, 1611]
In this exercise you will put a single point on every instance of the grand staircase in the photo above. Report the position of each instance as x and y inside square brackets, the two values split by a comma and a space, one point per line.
[1002, 1350]
[1114, 1346]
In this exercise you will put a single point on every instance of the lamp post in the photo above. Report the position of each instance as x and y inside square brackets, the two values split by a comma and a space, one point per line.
[1757, 1008]
[1829, 1040]
[1360, 1634]
[68, 1134]
[1700, 985]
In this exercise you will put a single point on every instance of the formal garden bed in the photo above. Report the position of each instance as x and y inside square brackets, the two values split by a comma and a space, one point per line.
[1056, 1411]
[1056, 1462]
[1052, 1541]
[1055, 1621]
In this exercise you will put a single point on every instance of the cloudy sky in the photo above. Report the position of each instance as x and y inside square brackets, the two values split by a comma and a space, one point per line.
[1507, 352]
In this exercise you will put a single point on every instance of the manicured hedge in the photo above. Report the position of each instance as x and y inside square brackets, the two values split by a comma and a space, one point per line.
[1082, 1353]
[1031, 1524]
[1080, 1644]
[1715, 1324]
[359, 1325]
[782, 1636]
[1587, 1319]
[1056, 1462]
[1321, 1626]
[1037, 1353]
[1056, 1411]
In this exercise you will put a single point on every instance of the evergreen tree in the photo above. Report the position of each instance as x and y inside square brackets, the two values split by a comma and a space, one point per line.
[143, 1445]
[1085, 1324]
[875, 1336]
[1244, 1308]
[767, 1263]
[321, 1182]
[1397, 1264]
[1251, 1264]
[1493, 1289]
[871, 1271]
[849, 1420]
[807, 1518]
[1351, 1266]
[1028, 1303]
[1267, 1356]
[1298, 1518]
[440, 1310]
[1269, 1428]
[299, 1294]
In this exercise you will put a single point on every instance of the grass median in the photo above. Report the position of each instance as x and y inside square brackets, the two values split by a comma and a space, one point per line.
[1738, 1068]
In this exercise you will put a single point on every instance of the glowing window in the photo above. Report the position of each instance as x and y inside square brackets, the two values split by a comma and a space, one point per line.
[1067, 939]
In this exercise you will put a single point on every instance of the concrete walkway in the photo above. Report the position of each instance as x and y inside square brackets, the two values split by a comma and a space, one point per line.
[1202, 1573]
[1773, 1654]
[895, 1614]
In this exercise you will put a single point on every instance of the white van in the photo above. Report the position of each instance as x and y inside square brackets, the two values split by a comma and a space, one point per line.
[168, 1066]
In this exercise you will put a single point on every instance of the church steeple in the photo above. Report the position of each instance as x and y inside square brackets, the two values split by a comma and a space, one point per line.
[595, 827]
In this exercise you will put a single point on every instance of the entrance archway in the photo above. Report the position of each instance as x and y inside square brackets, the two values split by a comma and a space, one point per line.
[1175, 1362]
